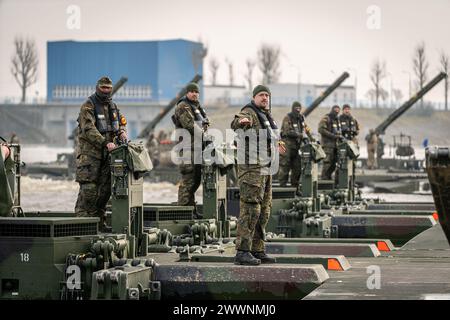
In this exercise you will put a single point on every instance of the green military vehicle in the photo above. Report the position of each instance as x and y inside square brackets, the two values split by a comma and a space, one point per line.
[323, 245]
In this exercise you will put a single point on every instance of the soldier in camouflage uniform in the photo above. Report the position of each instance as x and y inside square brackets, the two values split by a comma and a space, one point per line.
[100, 124]
[372, 146]
[14, 138]
[152, 146]
[191, 116]
[349, 125]
[293, 131]
[255, 186]
[329, 129]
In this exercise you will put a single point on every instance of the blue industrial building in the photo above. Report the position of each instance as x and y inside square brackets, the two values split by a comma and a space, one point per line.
[156, 70]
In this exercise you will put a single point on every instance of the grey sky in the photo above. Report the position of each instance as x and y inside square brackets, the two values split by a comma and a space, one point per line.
[316, 37]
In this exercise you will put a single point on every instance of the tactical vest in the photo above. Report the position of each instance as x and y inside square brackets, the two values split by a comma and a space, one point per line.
[266, 122]
[298, 123]
[101, 122]
[334, 126]
[348, 126]
[199, 113]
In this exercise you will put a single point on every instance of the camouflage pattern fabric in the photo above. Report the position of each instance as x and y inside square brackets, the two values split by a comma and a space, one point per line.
[186, 118]
[191, 174]
[329, 163]
[92, 163]
[254, 125]
[290, 161]
[350, 127]
[328, 129]
[94, 178]
[191, 177]
[255, 206]
[292, 133]
[372, 145]
[90, 141]
[255, 194]
[153, 149]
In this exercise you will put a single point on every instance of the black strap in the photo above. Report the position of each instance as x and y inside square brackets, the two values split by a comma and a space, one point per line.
[202, 111]
[98, 108]
[262, 116]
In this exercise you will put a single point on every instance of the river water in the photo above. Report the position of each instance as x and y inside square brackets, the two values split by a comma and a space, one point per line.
[60, 195]
[47, 194]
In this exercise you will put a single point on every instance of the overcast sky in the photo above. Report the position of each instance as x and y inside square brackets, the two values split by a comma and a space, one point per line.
[320, 39]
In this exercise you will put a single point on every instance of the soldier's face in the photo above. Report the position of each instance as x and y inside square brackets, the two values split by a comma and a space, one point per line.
[193, 95]
[262, 100]
[346, 111]
[298, 109]
[337, 110]
[105, 89]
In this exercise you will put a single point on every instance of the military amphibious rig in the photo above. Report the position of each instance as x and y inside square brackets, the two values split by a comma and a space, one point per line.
[329, 242]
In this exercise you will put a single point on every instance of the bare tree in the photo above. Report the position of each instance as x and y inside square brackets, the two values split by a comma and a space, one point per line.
[445, 68]
[420, 65]
[249, 73]
[397, 95]
[230, 71]
[377, 74]
[198, 55]
[24, 64]
[269, 62]
[213, 68]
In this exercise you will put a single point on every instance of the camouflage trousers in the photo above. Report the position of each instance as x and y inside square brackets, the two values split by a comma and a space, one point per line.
[255, 206]
[329, 163]
[290, 160]
[191, 177]
[94, 178]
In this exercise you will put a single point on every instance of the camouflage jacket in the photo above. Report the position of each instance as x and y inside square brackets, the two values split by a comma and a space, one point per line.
[186, 119]
[329, 130]
[255, 125]
[293, 129]
[90, 141]
[349, 127]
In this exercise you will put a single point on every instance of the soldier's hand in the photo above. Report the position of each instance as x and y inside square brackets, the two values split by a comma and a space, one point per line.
[245, 121]
[281, 147]
[123, 136]
[5, 151]
[110, 146]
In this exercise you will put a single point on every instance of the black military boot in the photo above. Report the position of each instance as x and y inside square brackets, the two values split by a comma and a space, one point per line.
[245, 258]
[263, 257]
